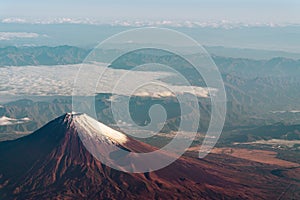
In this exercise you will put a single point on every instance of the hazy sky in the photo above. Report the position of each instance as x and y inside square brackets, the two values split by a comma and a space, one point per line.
[277, 11]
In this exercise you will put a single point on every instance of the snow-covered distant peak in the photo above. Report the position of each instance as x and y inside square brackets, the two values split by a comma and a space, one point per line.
[85, 124]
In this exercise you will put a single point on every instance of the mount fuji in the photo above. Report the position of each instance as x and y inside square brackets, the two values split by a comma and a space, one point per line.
[54, 163]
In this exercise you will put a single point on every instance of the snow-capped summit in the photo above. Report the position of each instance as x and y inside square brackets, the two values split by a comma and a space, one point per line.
[96, 129]
[85, 124]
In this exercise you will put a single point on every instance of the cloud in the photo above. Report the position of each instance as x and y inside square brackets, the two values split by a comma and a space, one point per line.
[60, 20]
[17, 35]
[14, 20]
[172, 91]
[226, 24]
[295, 111]
[6, 121]
[285, 111]
[49, 80]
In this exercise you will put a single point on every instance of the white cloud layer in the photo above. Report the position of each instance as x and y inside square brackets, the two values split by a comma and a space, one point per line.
[5, 121]
[59, 80]
[17, 35]
[285, 111]
[227, 24]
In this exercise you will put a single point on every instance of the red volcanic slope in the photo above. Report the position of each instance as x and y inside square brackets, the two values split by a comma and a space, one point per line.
[53, 163]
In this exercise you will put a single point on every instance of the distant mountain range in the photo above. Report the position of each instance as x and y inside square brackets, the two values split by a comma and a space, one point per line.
[53, 163]
[43, 55]
[41, 111]
[255, 88]
[46, 55]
